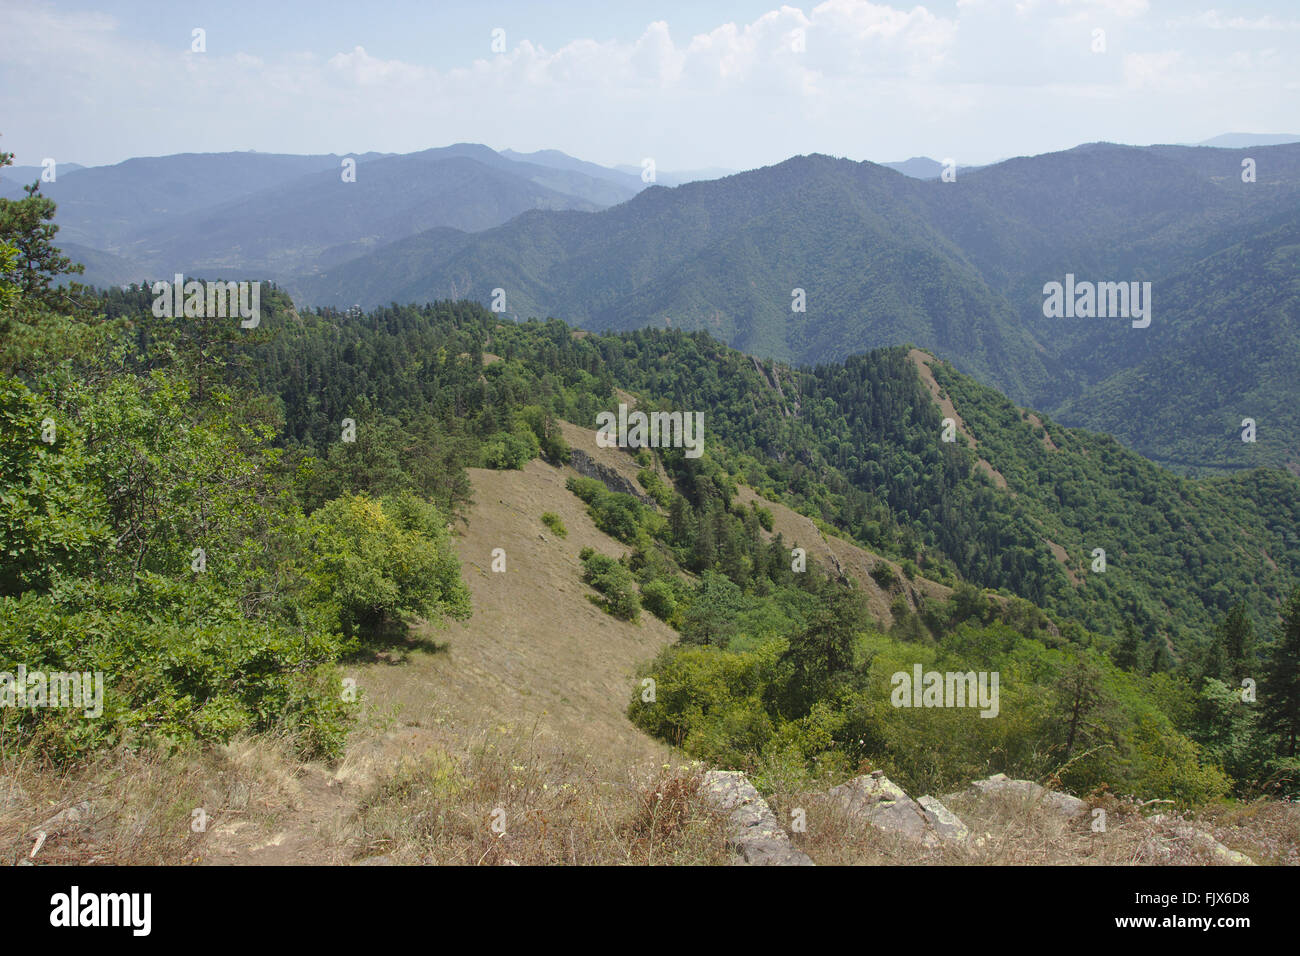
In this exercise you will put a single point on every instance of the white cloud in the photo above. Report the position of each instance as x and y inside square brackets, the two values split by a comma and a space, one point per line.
[876, 80]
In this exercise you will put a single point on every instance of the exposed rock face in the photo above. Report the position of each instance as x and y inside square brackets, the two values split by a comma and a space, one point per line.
[944, 822]
[584, 465]
[874, 798]
[1062, 803]
[754, 830]
[1203, 840]
[884, 805]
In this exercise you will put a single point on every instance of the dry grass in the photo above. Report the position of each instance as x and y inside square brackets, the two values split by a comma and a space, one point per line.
[512, 799]
[431, 796]
[832, 552]
[1268, 831]
[535, 649]
[140, 806]
[1009, 830]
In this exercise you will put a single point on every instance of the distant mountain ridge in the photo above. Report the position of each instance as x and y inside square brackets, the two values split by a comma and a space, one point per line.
[275, 215]
[883, 259]
[810, 260]
[1237, 140]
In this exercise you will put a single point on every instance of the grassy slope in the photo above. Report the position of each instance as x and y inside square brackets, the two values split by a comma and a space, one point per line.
[523, 708]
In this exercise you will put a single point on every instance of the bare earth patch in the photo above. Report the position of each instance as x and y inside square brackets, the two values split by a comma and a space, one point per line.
[922, 362]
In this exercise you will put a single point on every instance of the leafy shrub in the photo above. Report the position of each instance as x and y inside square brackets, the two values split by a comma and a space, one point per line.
[615, 584]
[51, 517]
[373, 561]
[655, 487]
[179, 662]
[554, 522]
[617, 514]
[510, 450]
[659, 598]
[884, 575]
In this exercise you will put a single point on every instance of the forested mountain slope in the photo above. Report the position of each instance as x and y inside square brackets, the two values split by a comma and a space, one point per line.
[857, 444]
[957, 268]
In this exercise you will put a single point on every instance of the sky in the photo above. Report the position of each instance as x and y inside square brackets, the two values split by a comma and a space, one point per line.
[688, 84]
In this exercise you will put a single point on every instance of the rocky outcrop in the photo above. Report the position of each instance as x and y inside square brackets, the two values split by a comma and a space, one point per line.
[882, 803]
[1202, 841]
[73, 817]
[1062, 803]
[76, 817]
[752, 826]
[11, 794]
[588, 467]
[927, 821]
[942, 820]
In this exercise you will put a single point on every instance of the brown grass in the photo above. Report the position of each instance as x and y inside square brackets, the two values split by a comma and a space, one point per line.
[831, 552]
[1009, 830]
[142, 805]
[1268, 831]
[513, 800]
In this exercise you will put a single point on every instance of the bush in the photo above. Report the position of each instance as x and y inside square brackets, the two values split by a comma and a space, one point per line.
[884, 575]
[179, 662]
[659, 599]
[372, 561]
[553, 521]
[615, 584]
[655, 487]
[618, 515]
[51, 517]
[510, 450]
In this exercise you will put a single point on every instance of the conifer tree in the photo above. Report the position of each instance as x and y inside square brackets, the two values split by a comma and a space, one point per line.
[1280, 688]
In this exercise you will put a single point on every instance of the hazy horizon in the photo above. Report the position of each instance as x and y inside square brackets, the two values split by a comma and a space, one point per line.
[724, 85]
[1267, 139]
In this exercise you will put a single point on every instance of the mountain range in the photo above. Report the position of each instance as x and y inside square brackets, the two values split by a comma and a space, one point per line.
[959, 268]
[807, 261]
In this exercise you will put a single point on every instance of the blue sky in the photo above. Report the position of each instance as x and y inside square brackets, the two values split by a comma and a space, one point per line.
[735, 85]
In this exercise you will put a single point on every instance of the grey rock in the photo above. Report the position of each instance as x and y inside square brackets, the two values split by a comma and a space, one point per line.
[1062, 803]
[12, 796]
[752, 826]
[586, 466]
[1199, 838]
[882, 803]
[238, 796]
[942, 820]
